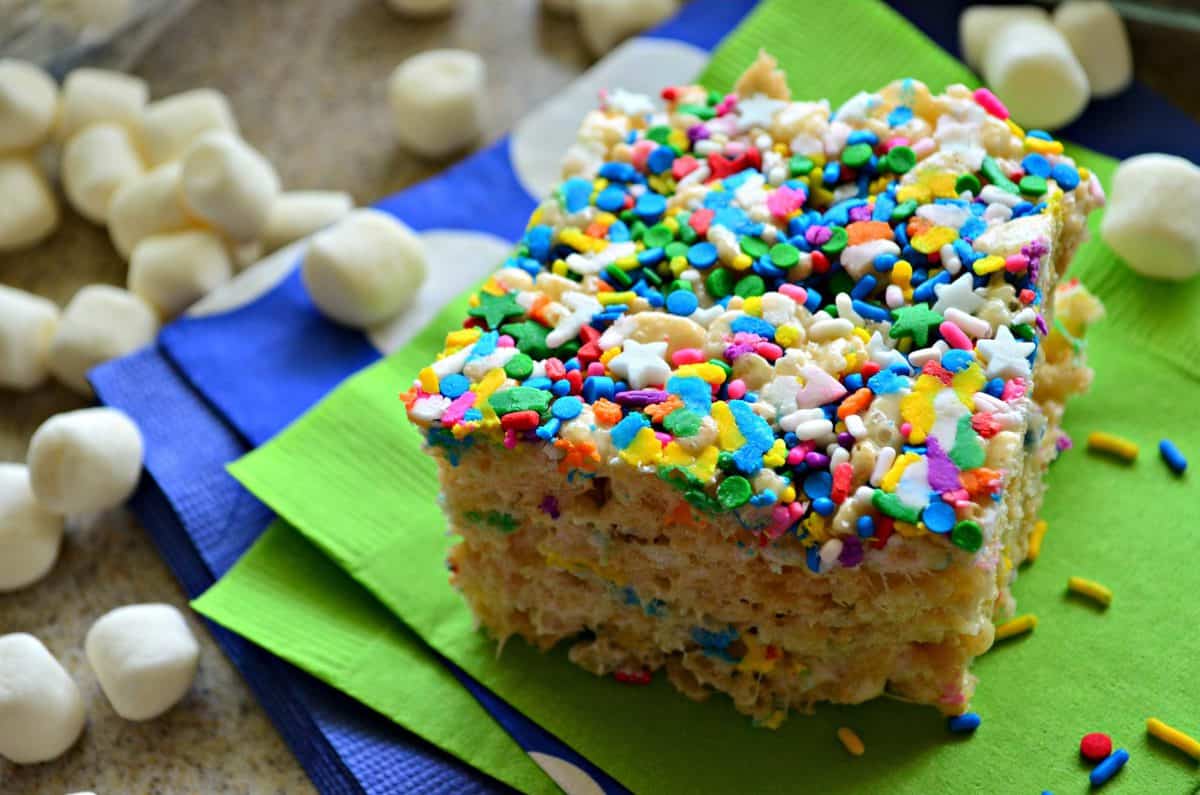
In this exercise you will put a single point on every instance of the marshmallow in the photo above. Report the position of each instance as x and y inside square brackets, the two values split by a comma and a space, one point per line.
[1096, 33]
[606, 23]
[147, 205]
[421, 9]
[28, 211]
[85, 461]
[364, 269]
[1031, 68]
[145, 658]
[27, 324]
[95, 95]
[978, 27]
[171, 124]
[1152, 220]
[437, 100]
[29, 534]
[41, 713]
[28, 102]
[300, 213]
[100, 323]
[228, 184]
[172, 272]
[95, 163]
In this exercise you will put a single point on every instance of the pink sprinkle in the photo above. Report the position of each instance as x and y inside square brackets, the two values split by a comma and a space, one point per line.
[687, 356]
[641, 151]
[818, 235]
[784, 200]
[457, 408]
[683, 166]
[892, 143]
[795, 456]
[1016, 263]
[737, 389]
[768, 350]
[663, 437]
[955, 336]
[797, 509]
[505, 341]
[780, 515]
[794, 292]
[924, 147]
[510, 438]
[906, 429]
[956, 496]
[596, 368]
[1013, 389]
[726, 104]
[735, 149]
[991, 103]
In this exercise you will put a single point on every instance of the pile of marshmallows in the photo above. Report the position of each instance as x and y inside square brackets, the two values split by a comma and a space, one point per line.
[1045, 68]
[144, 656]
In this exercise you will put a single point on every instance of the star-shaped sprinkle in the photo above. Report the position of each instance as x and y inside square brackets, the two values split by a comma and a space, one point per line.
[1006, 356]
[582, 306]
[530, 337]
[495, 309]
[630, 103]
[958, 294]
[757, 111]
[914, 321]
[642, 364]
[819, 388]
[883, 354]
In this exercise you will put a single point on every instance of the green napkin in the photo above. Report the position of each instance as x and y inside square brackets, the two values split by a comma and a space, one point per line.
[349, 476]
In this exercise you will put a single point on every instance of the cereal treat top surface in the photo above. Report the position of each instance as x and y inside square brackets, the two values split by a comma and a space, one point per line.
[820, 321]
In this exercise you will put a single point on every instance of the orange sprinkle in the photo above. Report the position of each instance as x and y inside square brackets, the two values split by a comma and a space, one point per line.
[409, 397]
[918, 226]
[596, 229]
[659, 411]
[538, 307]
[980, 482]
[865, 231]
[855, 403]
[607, 413]
[579, 455]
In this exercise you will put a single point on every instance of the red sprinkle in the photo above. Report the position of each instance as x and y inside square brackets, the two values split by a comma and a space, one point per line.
[884, 526]
[520, 421]
[820, 263]
[555, 369]
[985, 424]
[843, 477]
[683, 166]
[641, 677]
[1095, 747]
[869, 369]
[700, 220]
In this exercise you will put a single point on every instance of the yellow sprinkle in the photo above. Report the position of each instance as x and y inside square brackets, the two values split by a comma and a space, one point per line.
[461, 338]
[615, 298]
[1111, 443]
[728, 435]
[902, 273]
[678, 265]
[1043, 147]
[1016, 626]
[934, 239]
[559, 268]
[1035, 540]
[1015, 128]
[644, 449]
[1090, 589]
[789, 494]
[1172, 736]
[787, 336]
[429, 380]
[921, 193]
[627, 263]
[942, 186]
[851, 740]
[988, 265]
[775, 457]
[774, 720]
[753, 305]
[741, 262]
[706, 370]
[610, 354]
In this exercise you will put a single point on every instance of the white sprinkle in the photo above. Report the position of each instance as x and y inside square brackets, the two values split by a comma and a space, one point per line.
[993, 195]
[974, 326]
[855, 426]
[825, 330]
[831, 550]
[887, 457]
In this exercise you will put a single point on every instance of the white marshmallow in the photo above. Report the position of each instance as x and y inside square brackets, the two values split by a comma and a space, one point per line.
[300, 213]
[28, 102]
[1152, 219]
[147, 205]
[170, 125]
[606, 23]
[228, 184]
[95, 163]
[27, 324]
[95, 95]
[41, 713]
[421, 9]
[28, 211]
[364, 269]
[29, 534]
[85, 461]
[171, 272]
[1031, 68]
[1097, 34]
[437, 100]
[145, 658]
[100, 323]
[979, 25]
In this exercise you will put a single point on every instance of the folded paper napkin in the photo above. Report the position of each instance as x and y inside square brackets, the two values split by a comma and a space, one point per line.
[799, 42]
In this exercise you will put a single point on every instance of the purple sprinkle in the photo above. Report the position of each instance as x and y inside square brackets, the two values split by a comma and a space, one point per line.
[1041, 324]
[846, 439]
[734, 351]
[641, 397]
[1064, 442]
[943, 474]
[852, 552]
[697, 132]
[550, 505]
[818, 235]
[860, 213]
[816, 460]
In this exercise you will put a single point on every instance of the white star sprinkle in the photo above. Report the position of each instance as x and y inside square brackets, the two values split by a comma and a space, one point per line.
[959, 294]
[630, 103]
[642, 364]
[883, 354]
[1005, 355]
[582, 306]
[757, 111]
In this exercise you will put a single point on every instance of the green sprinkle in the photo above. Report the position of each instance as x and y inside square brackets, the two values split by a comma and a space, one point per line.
[652, 277]
[723, 365]
[686, 233]
[890, 505]
[700, 500]
[519, 367]
[680, 284]
[701, 112]
[784, 255]
[901, 159]
[1033, 184]
[658, 236]
[719, 283]
[904, 209]
[725, 461]
[832, 311]
[967, 182]
[857, 155]
[682, 422]
[837, 242]
[619, 276]
[992, 173]
[659, 133]
[676, 248]
[637, 229]
[800, 166]
[750, 285]
[734, 492]
[753, 247]
[967, 451]
[1024, 331]
[967, 535]
[520, 398]
[495, 309]
[714, 97]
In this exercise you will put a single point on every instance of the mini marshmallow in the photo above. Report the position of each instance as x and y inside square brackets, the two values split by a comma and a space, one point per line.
[100, 323]
[147, 205]
[85, 461]
[172, 272]
[41, 712]
[145, 658]
[29, 534]
[28, 212]
[1031, 68]
[1152, 220]
[170, 125]
[95, 163]
[437, 100]
[27, 324]
[606, 23]
[228, 184]
[90, 96]
[1097, 34]
[364, 269]
[28, 102]
[421, 9]
[300, 213]
[978, 27]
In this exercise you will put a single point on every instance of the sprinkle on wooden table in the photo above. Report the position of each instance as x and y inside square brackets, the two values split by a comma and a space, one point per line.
[1035, 540]
[851, 740]
[1112, 444]
[1016, 626]
[1172, 736]
[1091, 589]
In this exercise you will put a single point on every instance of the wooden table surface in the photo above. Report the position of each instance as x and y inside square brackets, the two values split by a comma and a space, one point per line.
[307, 81]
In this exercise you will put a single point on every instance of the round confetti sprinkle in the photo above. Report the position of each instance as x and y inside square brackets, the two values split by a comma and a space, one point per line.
[658, 236]
[1033, 185]
[749, 286]
[967, 182]
[456, 384]
[702, 255]
[611, 199]
[1095, 747]
[719, 283]
[519, 367]
[967, 535]
[567, 408]
[650, 207]
[857, 155]
[752, 247]
[837, 241]
[1067, 176]
[938, 517]
[784, 255]
[682, 302]
[901, 159]
[734, 492]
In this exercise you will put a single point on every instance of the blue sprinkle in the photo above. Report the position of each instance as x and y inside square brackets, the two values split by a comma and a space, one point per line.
[623, 432]
[485, 345]
[1170, 453]
[900, 116]
[749, 324]
[764, 268]
[832, 173]
[757, 431]
[748, 460]
[1102, 772]
[818, 485]
[694, 391]
[823, 506]
[870, 311]
[884, 204]
[853, 382]
[455, 385]
[650, 207]
[862, 137]
[964, 723]
[660, 159]
[885, 262]
[472, 415]
[576, 193]
[939, 517]
[957, 360]
[538, 239]
[763, 499]
[702, 255]
[682, 302]
[865, 526]
[925, 293]
[567, 408]
[619, 172]
[611, 199]
[561, 387]
[714, 640]
[619, 232]
[596, 387]
[995, 387]
[1042, 134]
[653, 297]
[1066, 176]
[813, 558]
[716, 199]
[1036, 164]
[549, 430]
[538, 382]
[885, 382]
[651, 256]
[813, 302]
[864, 287]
